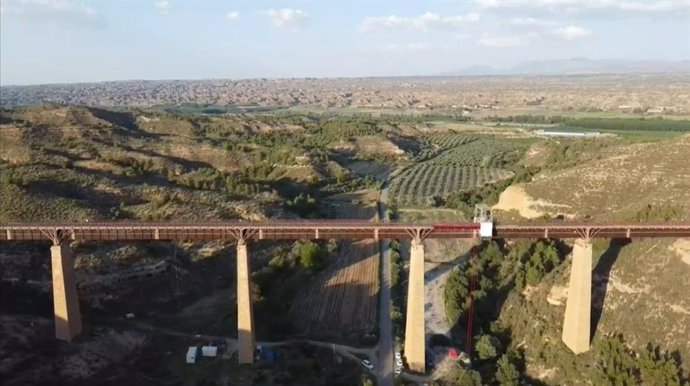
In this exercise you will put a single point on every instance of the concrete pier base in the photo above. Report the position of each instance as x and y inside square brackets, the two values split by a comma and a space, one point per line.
[576, 325]
[414, 325]
[65, 296]
[245, 314]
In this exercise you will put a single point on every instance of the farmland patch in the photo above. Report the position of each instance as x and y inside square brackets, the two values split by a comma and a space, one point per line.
[370, 168]
[452, 163]
[417, 185]
[340, 303]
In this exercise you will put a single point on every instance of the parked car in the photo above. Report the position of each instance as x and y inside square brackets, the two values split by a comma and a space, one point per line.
[398, 359]
[367, 364]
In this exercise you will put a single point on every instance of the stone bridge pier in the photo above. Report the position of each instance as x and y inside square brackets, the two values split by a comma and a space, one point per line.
[68, 323]
[415, 342]
[245, 310]
[577, 318]
[578, 308]
[65, 297]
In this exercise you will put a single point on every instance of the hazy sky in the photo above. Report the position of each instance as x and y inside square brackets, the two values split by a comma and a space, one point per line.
[51, 41]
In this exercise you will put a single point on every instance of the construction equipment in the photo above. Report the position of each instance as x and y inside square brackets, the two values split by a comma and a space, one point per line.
[482, 215]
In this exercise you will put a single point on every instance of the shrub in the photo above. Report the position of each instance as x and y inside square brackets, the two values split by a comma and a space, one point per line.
[160, 200]
[618, 364]
[303, 204]
[506, 372]
[396, 267]
[485, 347]
[455, 293]
[396, 315]
[665, 212]
[312, 256]
[463, 377]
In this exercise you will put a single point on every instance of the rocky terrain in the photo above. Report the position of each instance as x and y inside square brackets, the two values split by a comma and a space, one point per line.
[663, 93]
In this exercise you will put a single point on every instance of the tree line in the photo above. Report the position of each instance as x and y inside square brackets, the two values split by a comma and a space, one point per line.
[625, 124]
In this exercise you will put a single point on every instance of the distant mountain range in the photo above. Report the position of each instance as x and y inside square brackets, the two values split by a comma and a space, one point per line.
[580, 66]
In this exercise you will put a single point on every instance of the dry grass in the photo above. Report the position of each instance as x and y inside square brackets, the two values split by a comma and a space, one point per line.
[377, 146]
[67, 163]
[645, 296]
[620, 182]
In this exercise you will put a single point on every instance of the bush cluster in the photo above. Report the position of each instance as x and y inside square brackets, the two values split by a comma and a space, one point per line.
[497, 270]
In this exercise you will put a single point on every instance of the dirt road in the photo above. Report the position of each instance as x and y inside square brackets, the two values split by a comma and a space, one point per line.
[385, 347]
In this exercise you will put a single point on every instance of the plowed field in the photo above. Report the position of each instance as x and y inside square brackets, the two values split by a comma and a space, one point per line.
[343, 298]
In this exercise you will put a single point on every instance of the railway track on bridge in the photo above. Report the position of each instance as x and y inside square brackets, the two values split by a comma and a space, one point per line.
[322, 229]
[576, 327]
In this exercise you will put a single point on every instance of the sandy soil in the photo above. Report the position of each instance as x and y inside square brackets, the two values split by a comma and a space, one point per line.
[682, 248]
[434, 312]
[515, 198]
[377, 145]
[440, 257]
[558, 295]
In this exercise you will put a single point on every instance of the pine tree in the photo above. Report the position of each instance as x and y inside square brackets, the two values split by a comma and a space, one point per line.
[484, 347]
[506, 372]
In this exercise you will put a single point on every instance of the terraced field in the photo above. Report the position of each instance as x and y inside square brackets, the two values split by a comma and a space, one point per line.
[482, 152]
[415, 186]
[449, 140]
[439, 142]
[463, 163]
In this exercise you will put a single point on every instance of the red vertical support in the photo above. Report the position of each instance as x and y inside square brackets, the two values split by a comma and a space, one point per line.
[470, 297]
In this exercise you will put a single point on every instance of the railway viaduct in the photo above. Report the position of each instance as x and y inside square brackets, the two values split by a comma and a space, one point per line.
[576, 324]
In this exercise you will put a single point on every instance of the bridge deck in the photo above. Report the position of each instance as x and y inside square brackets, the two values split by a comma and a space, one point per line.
[319, 229]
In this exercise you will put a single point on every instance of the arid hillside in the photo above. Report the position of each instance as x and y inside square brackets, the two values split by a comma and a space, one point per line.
[624, 92]
[609, 181]
[81, 163]
[640, 287]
